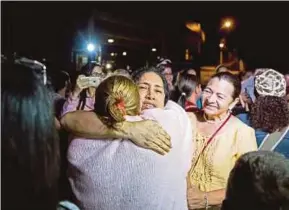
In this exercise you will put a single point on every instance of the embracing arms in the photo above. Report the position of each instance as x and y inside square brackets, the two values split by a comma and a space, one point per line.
[146, 133]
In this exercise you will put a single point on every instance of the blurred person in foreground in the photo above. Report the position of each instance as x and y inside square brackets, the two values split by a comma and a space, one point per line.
[220, 140]
[270, 112]
[30, 145]
[259, 180]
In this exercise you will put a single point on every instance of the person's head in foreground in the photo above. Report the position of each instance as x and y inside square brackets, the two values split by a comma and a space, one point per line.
[259, 180]
[30, 149]
[221, 94]
[153, 87]
[270, 111]
[116, 97]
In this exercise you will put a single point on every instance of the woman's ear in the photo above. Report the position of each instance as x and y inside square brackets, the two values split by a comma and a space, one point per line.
[233, 104]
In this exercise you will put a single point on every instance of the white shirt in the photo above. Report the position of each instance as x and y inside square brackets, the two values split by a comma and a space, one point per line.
[116, 174]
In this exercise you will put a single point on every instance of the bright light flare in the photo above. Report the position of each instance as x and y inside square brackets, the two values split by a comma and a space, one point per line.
[90, 47]
[108, 66]
[221, 45]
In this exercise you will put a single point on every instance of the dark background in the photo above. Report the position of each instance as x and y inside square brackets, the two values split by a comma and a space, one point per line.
[50, 29]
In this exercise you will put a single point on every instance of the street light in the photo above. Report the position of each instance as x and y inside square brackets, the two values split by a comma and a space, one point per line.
[112, 54]
[197, 28]
[124, 53]
[110, 40]
[221, 45]
[227, 23]
[90, 47]
[154, 49]
[108, 66]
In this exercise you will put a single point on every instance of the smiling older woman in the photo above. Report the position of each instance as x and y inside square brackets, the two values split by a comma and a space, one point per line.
[220, 140]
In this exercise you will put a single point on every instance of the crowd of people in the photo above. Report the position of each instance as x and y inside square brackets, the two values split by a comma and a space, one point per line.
[150, 139]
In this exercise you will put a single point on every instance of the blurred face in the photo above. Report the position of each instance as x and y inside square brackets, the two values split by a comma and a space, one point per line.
[169, 76]
[151, 90]
[97, 72]
[217, 97]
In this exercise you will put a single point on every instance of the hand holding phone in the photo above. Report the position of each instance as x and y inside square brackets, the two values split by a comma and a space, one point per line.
[85, 82]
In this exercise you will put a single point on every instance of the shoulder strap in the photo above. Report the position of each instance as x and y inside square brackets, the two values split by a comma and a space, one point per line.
[271, 141]
[210, 140]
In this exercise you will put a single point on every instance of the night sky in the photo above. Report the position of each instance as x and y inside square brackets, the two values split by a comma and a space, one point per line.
[47, 29]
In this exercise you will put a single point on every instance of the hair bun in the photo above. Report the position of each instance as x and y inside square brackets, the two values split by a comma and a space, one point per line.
[116, 107]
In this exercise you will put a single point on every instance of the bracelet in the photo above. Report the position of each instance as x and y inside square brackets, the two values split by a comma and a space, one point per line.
[206, 201]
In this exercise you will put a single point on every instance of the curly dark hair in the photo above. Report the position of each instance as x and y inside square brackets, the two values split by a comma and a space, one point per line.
[259, 180]
[270, 113]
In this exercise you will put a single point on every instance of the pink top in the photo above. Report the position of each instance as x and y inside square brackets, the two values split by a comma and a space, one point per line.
[71, 104]
[106, 174]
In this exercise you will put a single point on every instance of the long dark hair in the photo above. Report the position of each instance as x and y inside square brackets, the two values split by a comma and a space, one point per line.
[187, 84]
[30, 147]
[87, 71]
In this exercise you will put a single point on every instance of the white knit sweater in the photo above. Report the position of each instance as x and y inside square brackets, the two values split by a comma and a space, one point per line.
[118, 175]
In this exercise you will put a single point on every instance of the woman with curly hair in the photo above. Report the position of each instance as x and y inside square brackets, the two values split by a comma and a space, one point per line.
[270, 113]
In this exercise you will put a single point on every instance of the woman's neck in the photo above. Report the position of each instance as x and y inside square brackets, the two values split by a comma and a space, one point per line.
[216, 118]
